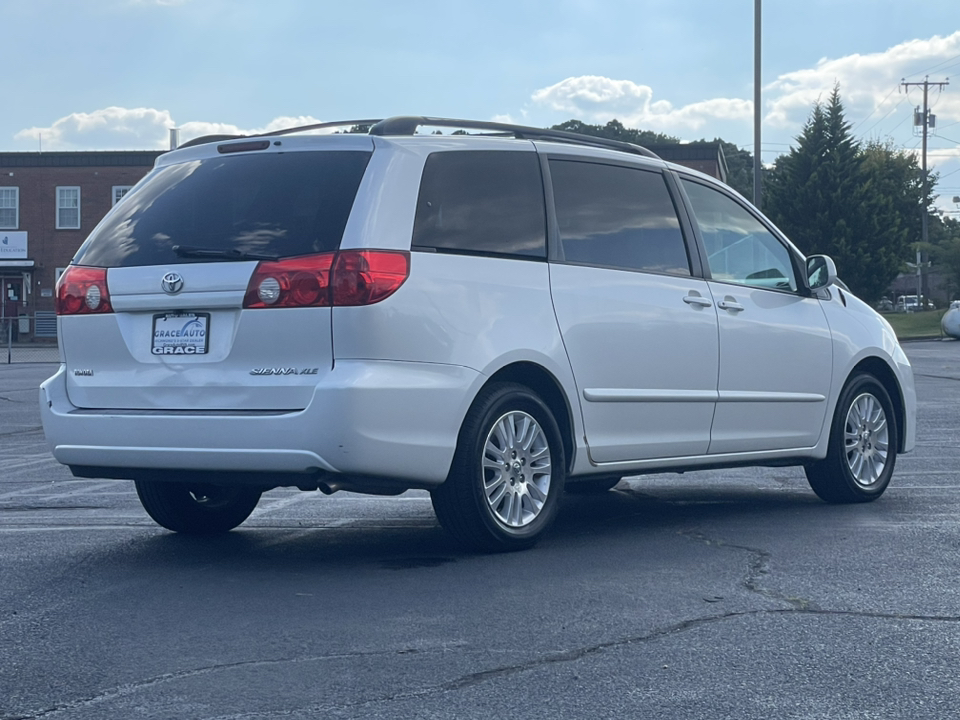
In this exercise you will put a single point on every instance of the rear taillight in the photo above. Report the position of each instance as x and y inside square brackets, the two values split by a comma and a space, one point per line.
[295, 282]
[365, 277]
[349, 277]
[83, 291]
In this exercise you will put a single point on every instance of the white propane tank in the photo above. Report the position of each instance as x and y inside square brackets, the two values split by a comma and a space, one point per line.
[950, 323]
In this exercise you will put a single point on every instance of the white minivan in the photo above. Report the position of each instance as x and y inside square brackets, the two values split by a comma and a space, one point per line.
[494, 315]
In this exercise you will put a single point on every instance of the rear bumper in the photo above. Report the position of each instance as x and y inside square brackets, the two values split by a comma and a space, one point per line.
[392, 420]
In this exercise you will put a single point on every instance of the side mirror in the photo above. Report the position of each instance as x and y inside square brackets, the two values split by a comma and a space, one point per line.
[821, 271]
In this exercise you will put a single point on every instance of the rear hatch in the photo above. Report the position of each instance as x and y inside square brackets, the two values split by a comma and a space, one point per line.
[206, 286]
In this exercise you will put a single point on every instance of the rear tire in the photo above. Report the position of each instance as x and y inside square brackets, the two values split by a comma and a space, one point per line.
[863, 445]
[507, 476]
[197, 508]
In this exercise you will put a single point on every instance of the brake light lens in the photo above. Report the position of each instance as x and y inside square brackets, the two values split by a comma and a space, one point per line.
[365, 277]
[294, 282]
[83, 291]
[346, 278]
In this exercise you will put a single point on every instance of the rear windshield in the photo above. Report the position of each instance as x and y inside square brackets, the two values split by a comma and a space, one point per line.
[281, 204]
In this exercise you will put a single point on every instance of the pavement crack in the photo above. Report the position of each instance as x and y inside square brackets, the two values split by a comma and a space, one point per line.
[758, 567]
[565, 656]
[130, 688]
[937, 377]
[22, 431]
[463, 682]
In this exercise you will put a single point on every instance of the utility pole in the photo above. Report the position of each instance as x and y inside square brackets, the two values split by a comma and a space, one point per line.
[757, 164]
[924, 120]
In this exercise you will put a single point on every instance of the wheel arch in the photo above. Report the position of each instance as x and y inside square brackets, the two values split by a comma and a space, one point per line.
[885, 376]
[548, 388]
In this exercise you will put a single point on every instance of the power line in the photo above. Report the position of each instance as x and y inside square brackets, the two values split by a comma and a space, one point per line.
[885, 117]
[936, 67]
[879, 105]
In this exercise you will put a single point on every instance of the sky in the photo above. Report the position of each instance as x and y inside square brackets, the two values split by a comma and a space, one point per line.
[116, 74]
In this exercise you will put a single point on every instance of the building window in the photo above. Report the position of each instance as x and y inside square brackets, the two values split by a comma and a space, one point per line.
[119, 191]
[9, 208]
[68, 208]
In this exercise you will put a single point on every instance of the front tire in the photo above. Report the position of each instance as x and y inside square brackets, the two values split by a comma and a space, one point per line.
[197, 508]
[863, 445]
[508, 472]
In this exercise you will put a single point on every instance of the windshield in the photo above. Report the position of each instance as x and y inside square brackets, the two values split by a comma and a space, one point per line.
[267, 204]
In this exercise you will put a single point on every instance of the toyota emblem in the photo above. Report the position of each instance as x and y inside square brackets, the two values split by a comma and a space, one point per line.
[172, 283]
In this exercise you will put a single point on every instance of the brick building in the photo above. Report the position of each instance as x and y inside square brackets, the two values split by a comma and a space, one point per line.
[705, 157]
[49, 203]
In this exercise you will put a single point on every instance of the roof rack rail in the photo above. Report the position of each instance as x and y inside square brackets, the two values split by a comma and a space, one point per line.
[283, 131]
[319, 126]
[408, 124]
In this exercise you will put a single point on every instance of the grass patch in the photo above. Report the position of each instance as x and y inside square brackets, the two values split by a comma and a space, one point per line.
[916, 325]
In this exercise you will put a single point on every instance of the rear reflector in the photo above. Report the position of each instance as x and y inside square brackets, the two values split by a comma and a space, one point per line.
[350, 277]
[83, 291]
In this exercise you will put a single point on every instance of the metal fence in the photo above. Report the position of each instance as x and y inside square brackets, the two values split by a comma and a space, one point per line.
[29, 339]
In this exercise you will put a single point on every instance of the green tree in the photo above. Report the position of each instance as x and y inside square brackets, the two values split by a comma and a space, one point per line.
[739, 162]
[859, 204]
[614, 130]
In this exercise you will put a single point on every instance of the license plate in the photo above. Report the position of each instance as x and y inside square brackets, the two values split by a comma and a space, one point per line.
[181, 333]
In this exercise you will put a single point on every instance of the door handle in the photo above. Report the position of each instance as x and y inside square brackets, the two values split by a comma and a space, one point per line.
[697, 300]
[730, 304]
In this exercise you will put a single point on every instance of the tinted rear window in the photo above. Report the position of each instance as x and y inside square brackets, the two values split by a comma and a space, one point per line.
[482, 202]
[617, 217]
[281, 204]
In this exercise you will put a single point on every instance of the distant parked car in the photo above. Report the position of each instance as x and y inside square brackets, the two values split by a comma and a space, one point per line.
[909, 303]
[885, 305]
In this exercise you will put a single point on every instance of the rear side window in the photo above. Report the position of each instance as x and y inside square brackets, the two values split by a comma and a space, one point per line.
[617, 217]
[482, 202]
[281, 204]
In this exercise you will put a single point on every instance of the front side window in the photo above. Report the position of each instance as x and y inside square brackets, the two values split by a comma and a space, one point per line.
[68, 208]
[617, 217]
[9, 208]
[482, 202]
[739, 247]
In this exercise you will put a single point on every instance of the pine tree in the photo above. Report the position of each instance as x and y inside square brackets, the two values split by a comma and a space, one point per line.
[860, 205]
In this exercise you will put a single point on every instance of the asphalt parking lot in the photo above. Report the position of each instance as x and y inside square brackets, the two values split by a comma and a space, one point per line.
[733, 594]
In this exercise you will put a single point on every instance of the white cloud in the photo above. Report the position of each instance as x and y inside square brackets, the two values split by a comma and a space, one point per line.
[600, 99]
[868, 83]
[117, 128]
[106, 129]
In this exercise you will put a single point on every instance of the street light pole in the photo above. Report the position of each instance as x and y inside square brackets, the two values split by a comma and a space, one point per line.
[757, 165]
